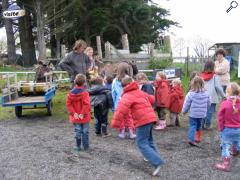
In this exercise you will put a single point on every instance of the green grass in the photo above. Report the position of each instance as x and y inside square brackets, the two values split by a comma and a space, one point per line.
[59, 109]
[8, 69]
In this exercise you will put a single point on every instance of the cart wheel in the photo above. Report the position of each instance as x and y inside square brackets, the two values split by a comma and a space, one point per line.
[49, 108]
[18, 111]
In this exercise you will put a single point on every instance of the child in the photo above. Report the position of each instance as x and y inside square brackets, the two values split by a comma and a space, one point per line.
[214, 89]
[101, 100]
[140, 105]
[197, 102]
[162, 99]
[79, 108]
[229, 125]
[108, 82]
[176, 102]
[122, 71]
[42, 71]
[144, 84]
[193, 74]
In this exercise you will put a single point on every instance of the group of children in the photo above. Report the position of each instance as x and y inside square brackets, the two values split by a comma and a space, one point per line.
[133, 103]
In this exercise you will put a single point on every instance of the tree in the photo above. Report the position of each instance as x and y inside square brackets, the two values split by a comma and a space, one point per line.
[11, 47]
[200, 46]
[40, 29]
[27, 40]
[142, 22]
[179, 46]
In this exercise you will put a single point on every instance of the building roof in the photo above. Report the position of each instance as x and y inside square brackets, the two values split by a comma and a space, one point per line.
[216, 45]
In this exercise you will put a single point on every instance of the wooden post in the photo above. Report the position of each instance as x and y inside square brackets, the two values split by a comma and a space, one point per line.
[151, 50]
[63, 51]
[107, 50]
[125, 42]
[99, 46]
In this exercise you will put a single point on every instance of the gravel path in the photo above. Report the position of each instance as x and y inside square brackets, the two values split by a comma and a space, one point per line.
[41, 148]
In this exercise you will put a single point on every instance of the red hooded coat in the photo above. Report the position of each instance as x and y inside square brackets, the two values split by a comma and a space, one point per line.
[176, 99]
[78, 101]
[140, 105]
[162, 93]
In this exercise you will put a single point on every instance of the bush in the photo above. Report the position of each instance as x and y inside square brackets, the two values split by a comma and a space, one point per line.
[160, 63]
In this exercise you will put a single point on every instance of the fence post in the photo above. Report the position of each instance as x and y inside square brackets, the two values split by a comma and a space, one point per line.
[107, 50]
[99, 47]
[125, 42]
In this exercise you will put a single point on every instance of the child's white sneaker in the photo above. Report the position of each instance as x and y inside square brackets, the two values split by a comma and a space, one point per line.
[122, 134]
[156, 171]
[132, 135]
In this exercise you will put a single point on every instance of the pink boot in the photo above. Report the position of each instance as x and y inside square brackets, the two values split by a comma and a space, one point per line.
[122, 133]
[131, 134]
[225, 165]
[161, 125]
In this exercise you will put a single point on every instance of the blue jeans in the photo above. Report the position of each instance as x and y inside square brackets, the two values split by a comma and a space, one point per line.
[229, 137]
[194, 125]
[81, 131]
[208, 120]
[146, 145]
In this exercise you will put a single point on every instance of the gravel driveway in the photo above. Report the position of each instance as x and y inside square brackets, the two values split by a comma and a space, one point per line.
[41, 148]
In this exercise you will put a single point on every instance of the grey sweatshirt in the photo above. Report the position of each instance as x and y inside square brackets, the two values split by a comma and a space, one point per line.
[75, 63]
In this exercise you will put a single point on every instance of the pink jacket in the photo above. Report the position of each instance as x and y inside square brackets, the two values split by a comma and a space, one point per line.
[226, 115]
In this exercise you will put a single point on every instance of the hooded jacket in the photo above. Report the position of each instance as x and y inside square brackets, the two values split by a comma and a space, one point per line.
[226, 115]
[140, 105]
[197, 103]
[101, 97]
[176, 99]
[116, 92]
[213, 87]
[162, 93]
[78, 101]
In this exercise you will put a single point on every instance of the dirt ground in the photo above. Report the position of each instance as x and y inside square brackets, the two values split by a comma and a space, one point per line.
[41, 148]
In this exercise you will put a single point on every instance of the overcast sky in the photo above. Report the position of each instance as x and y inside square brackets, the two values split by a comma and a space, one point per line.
[205, 18]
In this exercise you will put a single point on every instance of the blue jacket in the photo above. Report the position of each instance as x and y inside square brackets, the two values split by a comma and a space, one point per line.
[148, 88]
[197, 104]
[117, 90]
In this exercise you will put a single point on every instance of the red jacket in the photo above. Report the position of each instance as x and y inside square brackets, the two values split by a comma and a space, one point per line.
[176, 99]
[226, 115]
[78, 101]
[162, 93]
[138, 102]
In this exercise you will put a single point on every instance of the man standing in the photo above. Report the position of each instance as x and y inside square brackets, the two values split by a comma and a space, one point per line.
[76, 61]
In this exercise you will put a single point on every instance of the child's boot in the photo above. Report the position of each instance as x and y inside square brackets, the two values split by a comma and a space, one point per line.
[161, 126]
[198, 136]
[131, 134]
[225, 165]
[78, 145]
[104, 131]
[122, 133]
[177, 123]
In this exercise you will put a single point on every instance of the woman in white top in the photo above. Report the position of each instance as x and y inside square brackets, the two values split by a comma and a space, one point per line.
[222, 68]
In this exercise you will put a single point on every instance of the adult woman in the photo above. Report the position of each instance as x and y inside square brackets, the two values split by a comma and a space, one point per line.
[76, 61]
[96, 64]
[222, 68]
[214, 89]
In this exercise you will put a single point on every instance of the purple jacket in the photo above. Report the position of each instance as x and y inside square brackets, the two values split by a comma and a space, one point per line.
[197, 104]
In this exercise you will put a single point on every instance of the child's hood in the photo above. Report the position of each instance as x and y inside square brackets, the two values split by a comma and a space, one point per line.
[178, 89]
[159, 83]
[77, 93]
[130, 87]
[98, 89]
